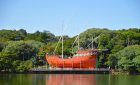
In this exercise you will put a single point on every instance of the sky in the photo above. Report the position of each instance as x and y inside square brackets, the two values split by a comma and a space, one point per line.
[69, 17]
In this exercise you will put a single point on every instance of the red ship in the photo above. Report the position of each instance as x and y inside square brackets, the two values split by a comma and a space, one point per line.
[82, 59]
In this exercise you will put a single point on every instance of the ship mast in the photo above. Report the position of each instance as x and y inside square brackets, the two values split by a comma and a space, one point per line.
[62, 41]
[92, 43]
[78, 43]
[93, 39]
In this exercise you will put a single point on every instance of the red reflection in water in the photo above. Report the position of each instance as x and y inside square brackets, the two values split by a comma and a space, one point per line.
[71, 79]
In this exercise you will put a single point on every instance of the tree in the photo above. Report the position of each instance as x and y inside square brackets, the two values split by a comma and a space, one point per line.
[15, 55]
[43, 37]
[128, 58]
[23, 32]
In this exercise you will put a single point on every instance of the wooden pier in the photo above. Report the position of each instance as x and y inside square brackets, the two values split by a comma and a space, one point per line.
[71, 71]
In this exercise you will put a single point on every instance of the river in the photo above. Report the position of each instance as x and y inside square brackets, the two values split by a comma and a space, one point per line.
[68, 79]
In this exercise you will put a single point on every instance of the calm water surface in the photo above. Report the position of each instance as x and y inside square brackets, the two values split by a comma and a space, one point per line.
[68, 79]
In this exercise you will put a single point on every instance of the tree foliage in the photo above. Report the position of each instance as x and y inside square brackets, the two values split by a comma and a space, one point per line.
[16, 54]
[127, 59]
[20, 50]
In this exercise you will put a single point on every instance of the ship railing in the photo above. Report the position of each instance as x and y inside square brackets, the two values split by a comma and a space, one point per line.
[86, 54]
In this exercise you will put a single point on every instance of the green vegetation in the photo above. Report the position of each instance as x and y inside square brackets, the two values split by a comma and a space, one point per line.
[20, 51]
[127, 59]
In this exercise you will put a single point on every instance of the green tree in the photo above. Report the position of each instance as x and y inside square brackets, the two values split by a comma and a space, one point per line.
[127, 58]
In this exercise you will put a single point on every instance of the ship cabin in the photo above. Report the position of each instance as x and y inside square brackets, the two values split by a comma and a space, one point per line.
[81, 53]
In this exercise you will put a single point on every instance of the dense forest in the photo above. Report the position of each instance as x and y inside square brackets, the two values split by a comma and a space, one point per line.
[20, 51]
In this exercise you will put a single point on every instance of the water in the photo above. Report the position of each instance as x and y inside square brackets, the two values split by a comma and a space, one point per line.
[68, 79]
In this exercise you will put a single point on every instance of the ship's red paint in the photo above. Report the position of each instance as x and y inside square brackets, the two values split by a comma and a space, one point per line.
[82, 59]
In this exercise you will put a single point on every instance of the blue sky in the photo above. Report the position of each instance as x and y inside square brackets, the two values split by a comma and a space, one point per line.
[76, 15]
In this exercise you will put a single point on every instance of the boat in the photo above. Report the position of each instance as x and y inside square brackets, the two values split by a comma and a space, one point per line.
[83, 58]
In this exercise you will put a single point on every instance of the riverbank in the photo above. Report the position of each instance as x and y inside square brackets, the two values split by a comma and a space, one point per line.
[121, 72]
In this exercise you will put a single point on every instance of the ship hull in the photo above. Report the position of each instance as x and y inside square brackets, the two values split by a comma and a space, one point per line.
[74, 62]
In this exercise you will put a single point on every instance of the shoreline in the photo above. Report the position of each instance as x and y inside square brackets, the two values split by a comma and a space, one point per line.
[72, 71]
[63, 71]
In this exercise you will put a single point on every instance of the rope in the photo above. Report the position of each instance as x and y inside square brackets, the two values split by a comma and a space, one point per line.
[74, 42]
[57, 45]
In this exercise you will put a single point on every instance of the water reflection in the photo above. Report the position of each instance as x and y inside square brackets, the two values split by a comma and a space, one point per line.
[71, 79]
[68, 79]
